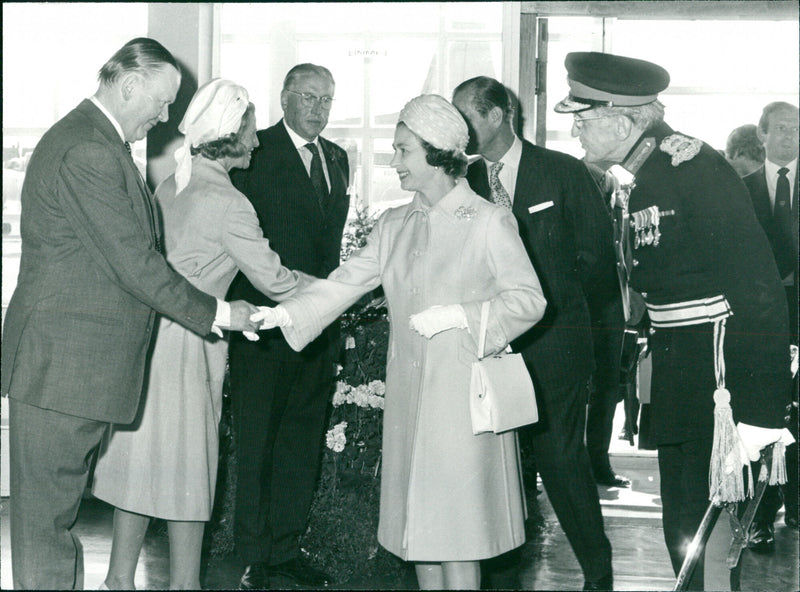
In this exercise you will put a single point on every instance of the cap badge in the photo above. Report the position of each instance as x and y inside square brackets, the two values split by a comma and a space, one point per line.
[681, 148]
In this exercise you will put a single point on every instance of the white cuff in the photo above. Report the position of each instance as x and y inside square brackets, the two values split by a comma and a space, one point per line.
[222, 317]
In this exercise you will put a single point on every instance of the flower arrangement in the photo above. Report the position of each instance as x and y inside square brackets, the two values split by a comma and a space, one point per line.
[357, 229]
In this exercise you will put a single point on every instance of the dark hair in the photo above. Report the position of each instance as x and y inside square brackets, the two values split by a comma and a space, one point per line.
[743, 141]
[763, 123]
[487, 93]
[230, 145]
[303, 69]
[453, 163]
[143, 55]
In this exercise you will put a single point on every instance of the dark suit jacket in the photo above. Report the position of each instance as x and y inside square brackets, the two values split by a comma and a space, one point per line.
[570, 246]
[80, 321]
[307, 238]
[786, 258]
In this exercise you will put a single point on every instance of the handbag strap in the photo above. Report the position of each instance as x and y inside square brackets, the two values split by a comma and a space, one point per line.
[484, 322]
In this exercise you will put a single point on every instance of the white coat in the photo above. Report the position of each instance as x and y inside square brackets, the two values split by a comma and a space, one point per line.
[446, 495]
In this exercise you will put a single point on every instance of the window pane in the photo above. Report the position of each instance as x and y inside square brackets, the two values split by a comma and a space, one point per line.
[381, 56]
[710, 92]
[43, 82]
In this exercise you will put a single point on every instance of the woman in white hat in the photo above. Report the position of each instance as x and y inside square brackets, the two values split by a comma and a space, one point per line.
[164, 465]
[448, 498]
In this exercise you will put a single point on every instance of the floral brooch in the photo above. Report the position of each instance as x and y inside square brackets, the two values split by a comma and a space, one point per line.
[680, 148]
[465, 213]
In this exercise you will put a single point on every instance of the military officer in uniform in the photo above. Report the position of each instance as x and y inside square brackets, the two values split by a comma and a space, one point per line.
[698, 257]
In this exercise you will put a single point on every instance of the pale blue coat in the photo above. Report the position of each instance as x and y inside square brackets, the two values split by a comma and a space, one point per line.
[446, 495]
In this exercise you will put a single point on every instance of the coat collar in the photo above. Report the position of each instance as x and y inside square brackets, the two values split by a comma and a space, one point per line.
[458, 196]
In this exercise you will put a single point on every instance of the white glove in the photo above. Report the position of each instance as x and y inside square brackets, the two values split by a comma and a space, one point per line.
[793, 351]
[271, 317]
[754, 438]
[438, 318]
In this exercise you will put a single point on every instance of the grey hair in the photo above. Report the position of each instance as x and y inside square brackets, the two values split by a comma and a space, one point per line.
[642, 116]
[142, 55]
[303, 69]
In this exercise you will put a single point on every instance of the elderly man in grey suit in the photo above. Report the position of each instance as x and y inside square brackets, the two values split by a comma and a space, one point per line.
[92, 278]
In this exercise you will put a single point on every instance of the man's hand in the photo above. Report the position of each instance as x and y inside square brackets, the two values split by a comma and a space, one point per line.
[241, 311]
[436, 319]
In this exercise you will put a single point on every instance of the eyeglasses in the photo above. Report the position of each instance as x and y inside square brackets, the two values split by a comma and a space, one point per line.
[578, 121]
[312, 101]
[786, 129]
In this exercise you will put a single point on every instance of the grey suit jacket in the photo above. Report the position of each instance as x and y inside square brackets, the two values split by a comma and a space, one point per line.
[79, 324]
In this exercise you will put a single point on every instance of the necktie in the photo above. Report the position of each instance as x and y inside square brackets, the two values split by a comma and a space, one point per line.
[317, 176]
[150, 213]
[782, 217]
[499, 194]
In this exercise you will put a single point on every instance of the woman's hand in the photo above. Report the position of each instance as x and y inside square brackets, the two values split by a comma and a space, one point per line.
[437, 318]
[269, 318]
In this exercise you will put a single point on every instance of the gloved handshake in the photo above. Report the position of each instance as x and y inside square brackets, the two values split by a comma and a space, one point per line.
[269, 319]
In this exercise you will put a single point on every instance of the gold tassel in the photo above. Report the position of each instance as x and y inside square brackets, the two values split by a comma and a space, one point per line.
[726, 480]
[778, 474]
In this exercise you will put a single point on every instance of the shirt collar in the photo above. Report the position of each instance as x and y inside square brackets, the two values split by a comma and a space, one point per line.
[108, 115]
[771, 169]
[512, 156]
[297, 140]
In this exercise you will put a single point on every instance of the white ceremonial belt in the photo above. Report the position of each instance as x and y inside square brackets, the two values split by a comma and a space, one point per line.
[691, 312]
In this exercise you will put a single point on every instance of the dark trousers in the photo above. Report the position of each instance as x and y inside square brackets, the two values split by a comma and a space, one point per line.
[279, 411]
[786, 494]
[50, 458]
[604, 396]
[683, 470]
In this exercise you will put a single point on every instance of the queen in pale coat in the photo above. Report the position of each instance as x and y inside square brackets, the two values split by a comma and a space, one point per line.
[165, 464]
[448, 498]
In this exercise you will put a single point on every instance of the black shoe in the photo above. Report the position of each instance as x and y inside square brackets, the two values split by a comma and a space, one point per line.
[604, 583]
[610, 479]
[255, 577]
[791, 520]
[300, 571]
[762, 537]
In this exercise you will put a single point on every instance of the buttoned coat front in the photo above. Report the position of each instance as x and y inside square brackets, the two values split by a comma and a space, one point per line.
[446, 494]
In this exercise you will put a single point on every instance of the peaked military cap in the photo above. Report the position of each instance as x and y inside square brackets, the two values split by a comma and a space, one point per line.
[601, 79]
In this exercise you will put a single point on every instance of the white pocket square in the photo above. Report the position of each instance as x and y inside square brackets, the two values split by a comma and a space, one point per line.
[539, 207]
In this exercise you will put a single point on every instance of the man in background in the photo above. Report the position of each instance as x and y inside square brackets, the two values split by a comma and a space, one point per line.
[567, 232]
[773, 189]
[92, 278]
[297, 183]
[744, 150]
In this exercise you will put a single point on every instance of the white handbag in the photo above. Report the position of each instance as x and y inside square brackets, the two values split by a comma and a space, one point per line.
[501, 394]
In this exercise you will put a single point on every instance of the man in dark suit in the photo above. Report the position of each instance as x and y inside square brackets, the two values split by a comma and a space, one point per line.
[297, 183]
[91, 280]
[773, 189]
[567, 233]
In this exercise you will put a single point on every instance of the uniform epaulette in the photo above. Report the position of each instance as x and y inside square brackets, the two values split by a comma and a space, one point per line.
[681, 148]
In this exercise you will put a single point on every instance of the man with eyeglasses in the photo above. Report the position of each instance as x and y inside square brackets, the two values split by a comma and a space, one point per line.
[297, 183]
[774, 190]
[713, 294]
